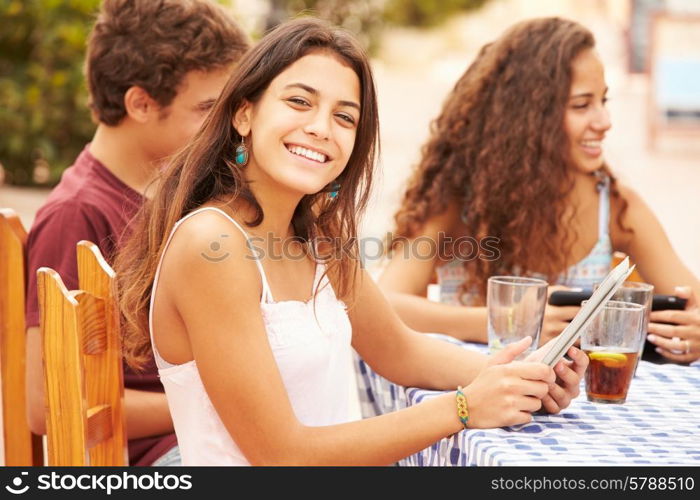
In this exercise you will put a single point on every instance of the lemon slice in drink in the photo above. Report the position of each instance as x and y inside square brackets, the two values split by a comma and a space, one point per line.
[495, 345]
[611, 359]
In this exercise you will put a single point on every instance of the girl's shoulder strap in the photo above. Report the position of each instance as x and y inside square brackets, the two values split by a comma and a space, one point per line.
[266, 293]
[603, 205]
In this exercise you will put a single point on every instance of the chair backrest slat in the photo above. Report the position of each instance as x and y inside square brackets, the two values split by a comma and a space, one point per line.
[92, 323]
[22, 448]
[105, 386]
[88, 358]
[66, 408]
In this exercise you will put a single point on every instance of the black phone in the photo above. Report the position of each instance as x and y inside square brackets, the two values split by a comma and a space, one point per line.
[574, 297]
[666, 302]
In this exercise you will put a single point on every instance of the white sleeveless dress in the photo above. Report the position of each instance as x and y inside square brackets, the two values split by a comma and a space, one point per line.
[314, 358]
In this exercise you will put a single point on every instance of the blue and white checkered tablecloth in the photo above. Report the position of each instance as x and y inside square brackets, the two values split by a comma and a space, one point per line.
[659, 424]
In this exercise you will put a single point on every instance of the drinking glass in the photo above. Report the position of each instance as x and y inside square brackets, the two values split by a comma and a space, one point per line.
[515, 310]
[637, 293]
[612, 341]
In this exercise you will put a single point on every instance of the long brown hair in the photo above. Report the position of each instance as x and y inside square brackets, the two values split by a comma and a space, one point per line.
[499, 149]
[205, 171]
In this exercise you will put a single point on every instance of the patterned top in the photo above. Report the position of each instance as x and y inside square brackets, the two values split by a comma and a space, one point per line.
[584, 274]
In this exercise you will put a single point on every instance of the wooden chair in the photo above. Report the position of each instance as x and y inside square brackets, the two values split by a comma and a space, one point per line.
[22, 448]
[82, 365]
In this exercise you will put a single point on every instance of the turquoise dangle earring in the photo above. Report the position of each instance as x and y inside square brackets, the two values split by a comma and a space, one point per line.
[241, 154]
[335, 187]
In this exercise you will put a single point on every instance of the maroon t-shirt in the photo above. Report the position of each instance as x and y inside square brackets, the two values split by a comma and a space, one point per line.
[89, 203]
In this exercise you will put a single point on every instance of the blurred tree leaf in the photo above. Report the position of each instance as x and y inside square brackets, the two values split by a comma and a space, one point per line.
[365, 18]
[426, 12]
[361, 17]
[43, 112]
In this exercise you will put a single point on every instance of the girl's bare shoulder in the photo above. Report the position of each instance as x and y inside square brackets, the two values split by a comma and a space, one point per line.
[208, 246]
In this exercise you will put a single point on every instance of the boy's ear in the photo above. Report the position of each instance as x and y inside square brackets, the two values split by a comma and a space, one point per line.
[139, 105]
[241, 119]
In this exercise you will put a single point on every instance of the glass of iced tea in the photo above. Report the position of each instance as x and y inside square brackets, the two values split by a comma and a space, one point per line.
[612, 342]
[515, 308]
[639, 293]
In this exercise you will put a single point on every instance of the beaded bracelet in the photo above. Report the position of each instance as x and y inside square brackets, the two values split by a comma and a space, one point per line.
[462, 410]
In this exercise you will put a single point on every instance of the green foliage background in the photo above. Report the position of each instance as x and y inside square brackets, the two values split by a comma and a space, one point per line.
[44, 119]
[426, 12]
[43, 111]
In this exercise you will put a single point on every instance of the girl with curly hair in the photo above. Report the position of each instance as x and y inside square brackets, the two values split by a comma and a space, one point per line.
[513, 181]
[239, 279]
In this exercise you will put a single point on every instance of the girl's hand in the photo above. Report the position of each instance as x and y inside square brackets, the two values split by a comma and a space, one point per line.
[569, 374]
[506, 392]
[679, 342]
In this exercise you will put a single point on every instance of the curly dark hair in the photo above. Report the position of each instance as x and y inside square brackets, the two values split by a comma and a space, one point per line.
[153, 44]
[498, 149]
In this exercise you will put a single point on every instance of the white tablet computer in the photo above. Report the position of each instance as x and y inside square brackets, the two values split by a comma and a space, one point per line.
[590, 310]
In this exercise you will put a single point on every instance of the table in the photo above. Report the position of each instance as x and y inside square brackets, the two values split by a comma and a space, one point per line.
[659, 424]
